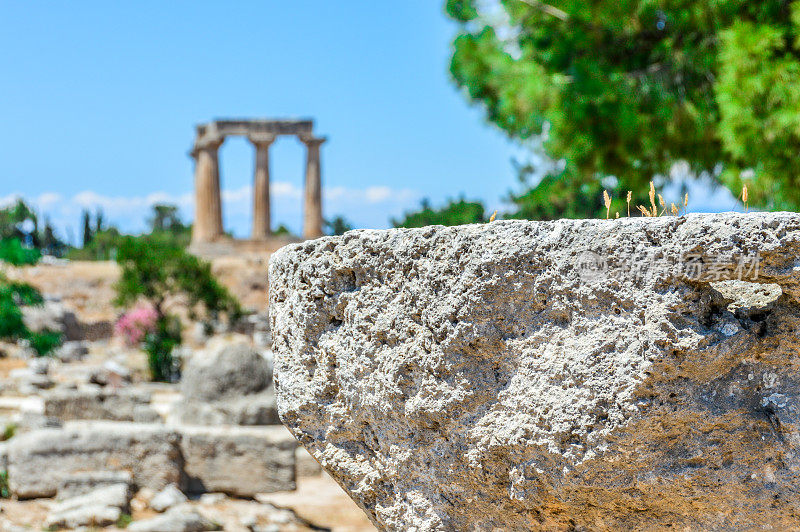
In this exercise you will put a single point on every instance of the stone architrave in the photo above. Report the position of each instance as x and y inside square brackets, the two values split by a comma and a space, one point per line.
[312, 213]
[261, 210]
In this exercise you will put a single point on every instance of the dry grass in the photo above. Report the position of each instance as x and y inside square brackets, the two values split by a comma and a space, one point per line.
[649, 212]
[653, 210]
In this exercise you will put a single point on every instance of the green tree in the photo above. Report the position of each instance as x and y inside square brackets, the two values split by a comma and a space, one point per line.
[87, 229]
[165, 218]
[50, 243]
[12, 219]
[626, 88]
[338, 225]
[454, 213]
[14, 296]
[99, 220]
[155, 268]
[282, 230]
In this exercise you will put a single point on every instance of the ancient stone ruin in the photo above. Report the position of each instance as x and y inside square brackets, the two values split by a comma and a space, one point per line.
[208, 230]
[632, 374]
[101, 449]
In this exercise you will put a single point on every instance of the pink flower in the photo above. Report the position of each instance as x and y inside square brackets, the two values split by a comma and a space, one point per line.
[136, 323]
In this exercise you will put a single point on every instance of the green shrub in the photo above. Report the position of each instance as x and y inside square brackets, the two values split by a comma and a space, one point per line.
[13, 252]
[159, 346]
[9, 431]
[5, 492]
[155, 267]
[454, 213]
[44, 342]
[14, 296]
[124, 520]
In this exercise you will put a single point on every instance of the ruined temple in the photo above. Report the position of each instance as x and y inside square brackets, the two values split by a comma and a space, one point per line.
[208, 235]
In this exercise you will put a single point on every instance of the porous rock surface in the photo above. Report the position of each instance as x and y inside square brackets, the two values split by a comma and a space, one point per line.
[574, 374]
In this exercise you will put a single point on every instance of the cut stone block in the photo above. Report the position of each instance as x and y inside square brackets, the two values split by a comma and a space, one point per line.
[39, 461]
[238, 461]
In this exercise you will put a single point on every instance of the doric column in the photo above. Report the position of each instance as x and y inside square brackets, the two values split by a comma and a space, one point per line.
[261, 218]
[208, 205]
[312, 219]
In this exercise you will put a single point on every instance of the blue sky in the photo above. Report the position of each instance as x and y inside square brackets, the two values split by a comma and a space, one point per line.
[99, 102]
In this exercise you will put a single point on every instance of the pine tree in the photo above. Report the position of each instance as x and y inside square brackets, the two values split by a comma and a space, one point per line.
[87, 229]
[619, 91]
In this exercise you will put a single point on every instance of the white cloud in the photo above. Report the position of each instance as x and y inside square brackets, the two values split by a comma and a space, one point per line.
[364, 207]
[47, 200]
[378, 194]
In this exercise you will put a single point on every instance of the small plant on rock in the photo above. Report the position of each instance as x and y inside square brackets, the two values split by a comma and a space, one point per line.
[155, 270]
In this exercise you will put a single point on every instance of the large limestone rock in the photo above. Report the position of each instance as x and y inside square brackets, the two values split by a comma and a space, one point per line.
[581, 375]
[231, 385]
[40, 461]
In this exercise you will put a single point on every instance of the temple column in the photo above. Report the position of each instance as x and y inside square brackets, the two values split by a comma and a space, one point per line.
[261, 215]
[208, 205]
[312, 218]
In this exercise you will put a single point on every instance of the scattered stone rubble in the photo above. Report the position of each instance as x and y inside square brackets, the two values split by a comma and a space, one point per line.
[102, 446]
[564, 375]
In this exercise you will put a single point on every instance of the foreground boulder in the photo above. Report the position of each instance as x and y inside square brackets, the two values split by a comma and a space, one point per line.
[625, 374]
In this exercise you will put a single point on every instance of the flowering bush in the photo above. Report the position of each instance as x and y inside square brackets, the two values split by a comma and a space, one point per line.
[135, 324]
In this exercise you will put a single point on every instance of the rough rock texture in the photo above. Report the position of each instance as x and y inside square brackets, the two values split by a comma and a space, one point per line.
[150, 451]
[239, 461]
[550, 375]
[232, 385]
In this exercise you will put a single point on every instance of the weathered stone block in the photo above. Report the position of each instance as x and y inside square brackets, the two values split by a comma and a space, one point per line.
[240, 461]
[574, 374]
[39, 461]
[84, 482]
[127, 404]
[229, 385]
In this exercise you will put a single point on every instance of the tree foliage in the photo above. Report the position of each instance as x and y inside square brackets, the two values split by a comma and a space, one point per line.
[12, 219]
[165, 218]
[14, 296]
[627, 87]
[155, 268]
[13, 252]
[453, 213]
[104, 241]
[338, 225]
